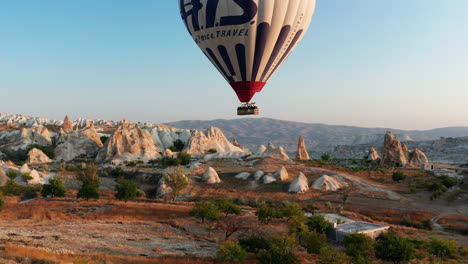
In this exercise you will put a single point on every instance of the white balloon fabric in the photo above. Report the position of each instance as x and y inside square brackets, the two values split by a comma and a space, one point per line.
[247, 40]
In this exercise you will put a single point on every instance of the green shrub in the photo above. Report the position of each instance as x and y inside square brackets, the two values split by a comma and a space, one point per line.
[330, 255]
[227, 206]
[290, 210]
[11, 188]
[12, 174]
[254, 244]
[26, 176]
[184, 158]
[319, 224]
[104, 139]
[360, 248]
[169, 162]
[443, 248]
[398, 176]
[212, 151]
[266, 213]
[87, 192]
[281, 250]
[314, 242]
[130, 163]
[89, 175]
[178, 145]
[54, 188]
[297, 227]
[205, 210]
[126, 190]
[394, 248]
[2, 202]
[175, 178]
[231, 251]
[448, 181]
[29, 194]
[325, 157]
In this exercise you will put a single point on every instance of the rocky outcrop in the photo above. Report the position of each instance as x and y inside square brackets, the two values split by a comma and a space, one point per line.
[269, 178]
[282, 174]
[243, 175]
[36, 156]
[74, 144]
[374, 156]
[396, 154]
[3, 178]
[261, 149]
[22, 139]
[164, 136]
[169, 153]
[67, 125]
[24, 169]
[327, 183]
[213, 138]
[36, 178]
[299, 185]
[128, 143]
[258, 175]
[211, 176]
[275, 153]
[302, 153]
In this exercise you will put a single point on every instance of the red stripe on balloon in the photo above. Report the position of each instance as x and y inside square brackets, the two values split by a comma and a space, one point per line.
[246, 90]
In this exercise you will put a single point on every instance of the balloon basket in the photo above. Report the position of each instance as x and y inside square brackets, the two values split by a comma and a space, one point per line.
[248, 109]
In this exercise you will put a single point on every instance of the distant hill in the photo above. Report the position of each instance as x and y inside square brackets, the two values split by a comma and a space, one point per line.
[321, 137]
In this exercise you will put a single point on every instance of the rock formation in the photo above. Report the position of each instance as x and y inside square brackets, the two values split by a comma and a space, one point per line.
[213, 138]
[374, 156]
[36, 178]
[162, 189]
[300, 184]
[36, 156]
[260, 150]
[67, 125]
[22, 139]
[211, 176]
[128, 143]
[74, 144]
[164, 136]
[275, 153]
[169, 153]
[302, 153]
[397, 154]
[282, 174]
[269, 178]
[327, 183]
[243, 175]
[258, 175]
[3, 178]
[24, 169]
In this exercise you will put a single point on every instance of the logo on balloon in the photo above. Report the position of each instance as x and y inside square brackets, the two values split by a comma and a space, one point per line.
[190, 11]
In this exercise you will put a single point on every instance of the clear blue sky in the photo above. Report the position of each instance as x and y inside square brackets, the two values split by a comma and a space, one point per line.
[374, 63]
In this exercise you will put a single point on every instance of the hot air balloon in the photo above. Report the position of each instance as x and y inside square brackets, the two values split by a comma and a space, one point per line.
[247, 40]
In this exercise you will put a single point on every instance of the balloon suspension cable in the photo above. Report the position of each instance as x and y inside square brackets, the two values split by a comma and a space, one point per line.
[248, 109]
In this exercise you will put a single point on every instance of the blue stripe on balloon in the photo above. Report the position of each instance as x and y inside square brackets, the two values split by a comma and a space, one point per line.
[285, 55]
[241, 59]
[278, 46]
[263, 30]
[224, 54]
[220, 67]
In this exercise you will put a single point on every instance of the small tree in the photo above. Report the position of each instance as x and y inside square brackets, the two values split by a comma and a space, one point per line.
[360, 247]
[318, 223]
[314, 242]
[290, 210]
[281, 250]
[90, 182]
[394, 248]
[178, 145]
[329, 255]
[205, 210]
[12, 174]
[54, 188]
[297, 227]
[227, 206]
[231, 225]
[254, 244]
[184, 158]
[26, 176]
[231, 251]
[88, 192]
[325, 157]
[176, 180]
[398, 176]
[443, 248]
[126, 190]
[266, 213]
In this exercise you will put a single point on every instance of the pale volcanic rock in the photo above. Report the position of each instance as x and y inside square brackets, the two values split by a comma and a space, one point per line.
[211, 176]
[269, 178]
[36, 156]
[128, 143]
[275, 153]
[374, 155]
[3, 178]
[36, 178]
[394, 153]
[164, 136]
[162, 189]
[213, 138]
[169, 153]
[327, 183]
[24, 169]
[67, 125]
[258, 175]
[243, 175]
[300, 184]
[302, 153]
[22, 139]
[261, 149]
[282, 174]
[418, 158]
[74, 144]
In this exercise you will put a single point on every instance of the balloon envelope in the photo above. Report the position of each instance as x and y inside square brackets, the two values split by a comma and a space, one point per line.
[247, 40]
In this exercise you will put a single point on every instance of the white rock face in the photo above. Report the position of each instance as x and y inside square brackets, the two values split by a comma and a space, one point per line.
[67, 125]
[24, 169]
[327, 183]
[260, 150]
[300, 184]
[258, 175]
[128, 143]
[73, 144]
[269, 178]
[374, 155]
[36, 178]
[282, 175]
[21, 139]
[36, 156]
[213, 138]
[164, 136]
[302, 153]
[27, 121]
[275, 153]
[3, 178]
[243, 175]
[163, 189]
[169, 153]
[211, 176]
